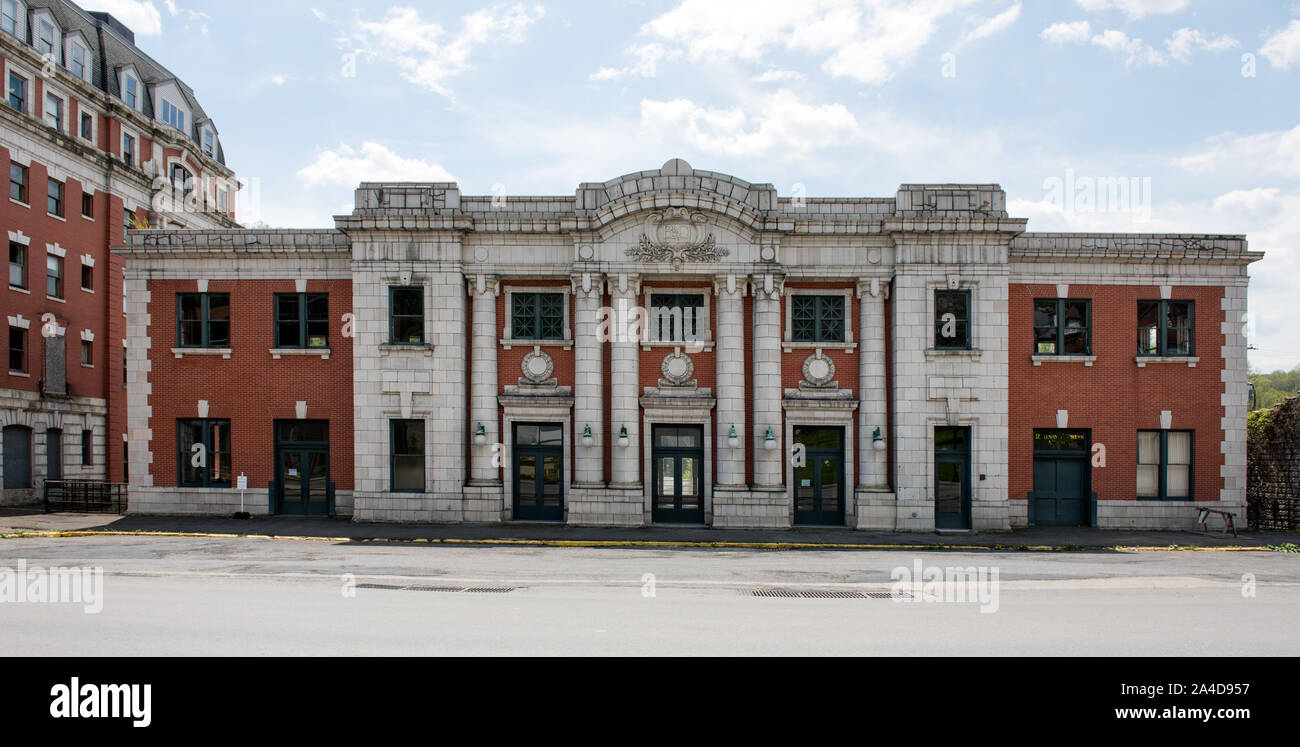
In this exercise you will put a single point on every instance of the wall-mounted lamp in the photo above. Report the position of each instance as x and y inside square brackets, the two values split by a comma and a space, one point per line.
[878, 440]
[480, 435]
[769, 441]
[587, 440]
[733, 440]
[623, 439]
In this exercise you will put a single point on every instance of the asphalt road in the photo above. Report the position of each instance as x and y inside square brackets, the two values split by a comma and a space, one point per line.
[255, 597]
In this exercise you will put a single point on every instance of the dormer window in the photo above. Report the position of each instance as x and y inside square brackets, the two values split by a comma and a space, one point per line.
[209, 144]
[77, 60]
[45, 37]
[173, 116]
[131, 92]
[9, 17]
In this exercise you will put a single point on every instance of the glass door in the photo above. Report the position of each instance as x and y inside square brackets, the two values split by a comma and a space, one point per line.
[539, 472]
[678, 458]
[952, 478]
[819, 490]
[302, 467]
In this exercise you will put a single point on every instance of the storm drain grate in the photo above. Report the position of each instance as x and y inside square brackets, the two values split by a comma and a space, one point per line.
[442, 589]
[792, 594]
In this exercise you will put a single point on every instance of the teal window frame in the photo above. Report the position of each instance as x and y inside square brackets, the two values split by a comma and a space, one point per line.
[304, 321]
[1162, 467]
[205, 320]
[1060, 325]
[823, 323]
[393, 316]
[394, 453]
[938, 319]
[545, 313]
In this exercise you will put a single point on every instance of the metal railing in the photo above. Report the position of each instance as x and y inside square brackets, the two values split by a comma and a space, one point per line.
[1274, 513]
[86, 496]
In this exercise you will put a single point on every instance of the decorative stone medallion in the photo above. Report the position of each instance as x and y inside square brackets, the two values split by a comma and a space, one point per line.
[678, 236]
[678, 368]
[538, 366]
[818, 369]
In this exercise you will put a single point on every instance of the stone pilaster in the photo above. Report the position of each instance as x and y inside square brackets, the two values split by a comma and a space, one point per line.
[484, 289]
[625, 406]
[589, 380]
[873, 403]
[729, 337]
[768, 328]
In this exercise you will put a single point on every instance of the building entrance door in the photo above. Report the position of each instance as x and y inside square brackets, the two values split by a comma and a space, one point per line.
[678, 456]
[819, 486]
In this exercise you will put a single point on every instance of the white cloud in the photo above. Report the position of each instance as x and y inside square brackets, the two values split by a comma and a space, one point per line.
[347, 166]
[1134, 49]
[778, 76]
[1135, 8]
[783, 125]
[191, 18]
[427, 54]
[141, 16]
[646, 66]
[1067, 33]
[1185, 41]
[1283, 48]
[864, 40]
[996, 24]
[1262, 153]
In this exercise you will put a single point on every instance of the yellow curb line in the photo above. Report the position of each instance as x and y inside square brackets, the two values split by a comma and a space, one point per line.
[640, 543]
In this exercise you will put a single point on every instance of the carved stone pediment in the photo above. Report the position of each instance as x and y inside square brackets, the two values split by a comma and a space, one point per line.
[678, 236]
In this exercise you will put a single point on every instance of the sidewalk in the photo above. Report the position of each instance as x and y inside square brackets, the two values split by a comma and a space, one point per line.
[34, 521]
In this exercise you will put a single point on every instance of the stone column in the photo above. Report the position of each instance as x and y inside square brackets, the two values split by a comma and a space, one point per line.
[625, 399]
[484, 290]
[589, 379]
[767, 381]
[729, 339]
[873, 407]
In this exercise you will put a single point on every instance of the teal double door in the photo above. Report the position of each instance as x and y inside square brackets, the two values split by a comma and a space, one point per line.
[1062, 478]
[677, 452]
[538, 471]
[302, 458]
[819, 480]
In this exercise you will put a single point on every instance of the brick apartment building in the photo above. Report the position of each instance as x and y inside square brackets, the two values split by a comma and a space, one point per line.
[682, 346]
[96, 138]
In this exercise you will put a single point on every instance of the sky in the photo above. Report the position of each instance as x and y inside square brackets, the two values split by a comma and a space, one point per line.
[1192, 105]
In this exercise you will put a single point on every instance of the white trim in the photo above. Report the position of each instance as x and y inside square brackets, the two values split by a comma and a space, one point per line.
[66, 99]
[56, 250]
[510, 340]
[20, 322]
[87, 260]
[129, 71]
[56, 41]
[973, 286]
[135, 148]
[72, 41]
[787, 339]
[22, 72]
[20, 21]
[18, 237]
[706, 336]
[87, 336]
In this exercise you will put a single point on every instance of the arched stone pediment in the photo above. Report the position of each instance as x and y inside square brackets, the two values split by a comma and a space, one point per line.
[676, 184]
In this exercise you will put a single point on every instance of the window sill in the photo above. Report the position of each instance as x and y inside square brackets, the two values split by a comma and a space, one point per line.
[1190, 361]
[324, 353]
[88, 217]
[973, 354]
[209, 352]
[1086, 360]
[20, 203]
[16, 289]
[389, 348]
[56, 217]
[790, 347]
[87, 290]
[695, 346]
[508, 344]
[20, 374]
[56, 299]
[86, 365]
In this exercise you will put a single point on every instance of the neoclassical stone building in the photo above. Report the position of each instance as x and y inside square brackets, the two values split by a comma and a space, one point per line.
[679, 346]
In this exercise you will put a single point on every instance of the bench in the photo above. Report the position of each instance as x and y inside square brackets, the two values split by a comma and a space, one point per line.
[1229, 523]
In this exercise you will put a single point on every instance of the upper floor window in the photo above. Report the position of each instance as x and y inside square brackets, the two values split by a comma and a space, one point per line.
[203, 320]
[172, 115]
[406, 316]
[87, 278]
[18, 350]
[209, 144]
[131, 88]
[1062, 327]
[9, 17]
[54, 276]
[817, 318]
[87, 126]
[128, 150]
[222, 201]
[952, 320]
[1166, 328]
[87, 205]
[17, 265]
[1164, 465]
[77, 60]
[537, 316]
[45, 37]
[87, 353]
[676, 317]
[18, 92]
[203, 453]
[18, 183]
[54, 198]
[54, 111]
[302, 320]
[182, 179]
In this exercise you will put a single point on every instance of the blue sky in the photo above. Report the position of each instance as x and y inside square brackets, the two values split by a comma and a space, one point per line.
[1194, 103]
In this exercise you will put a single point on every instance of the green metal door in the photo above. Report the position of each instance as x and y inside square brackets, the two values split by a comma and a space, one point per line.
[1061, 478]
[952, 500]
[819, 487]
[303, 467]
[538, 472]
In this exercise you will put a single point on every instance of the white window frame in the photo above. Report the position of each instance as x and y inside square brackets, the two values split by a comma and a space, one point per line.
[56, 34]
[135, 145]
[83, 110]
[71, 45]
[164, 107]
[66, 102]
[508, 327]
[20, 20]
[971, 286]
[203, 146]
[11, 69]
[706, 335]
[787, 341]
[129, 74]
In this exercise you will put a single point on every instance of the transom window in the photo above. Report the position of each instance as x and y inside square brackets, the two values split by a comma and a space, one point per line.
[18, 183]
[406, 315]
[817, 318]
[952, 320]
[1166, 328]
[1062, 327]
[302, 320]
[17, 265]
[407, 450]
[18, 92]
[537, 316]
[675, 317]
[203, 320]
[203, 453]
[1164, 469]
